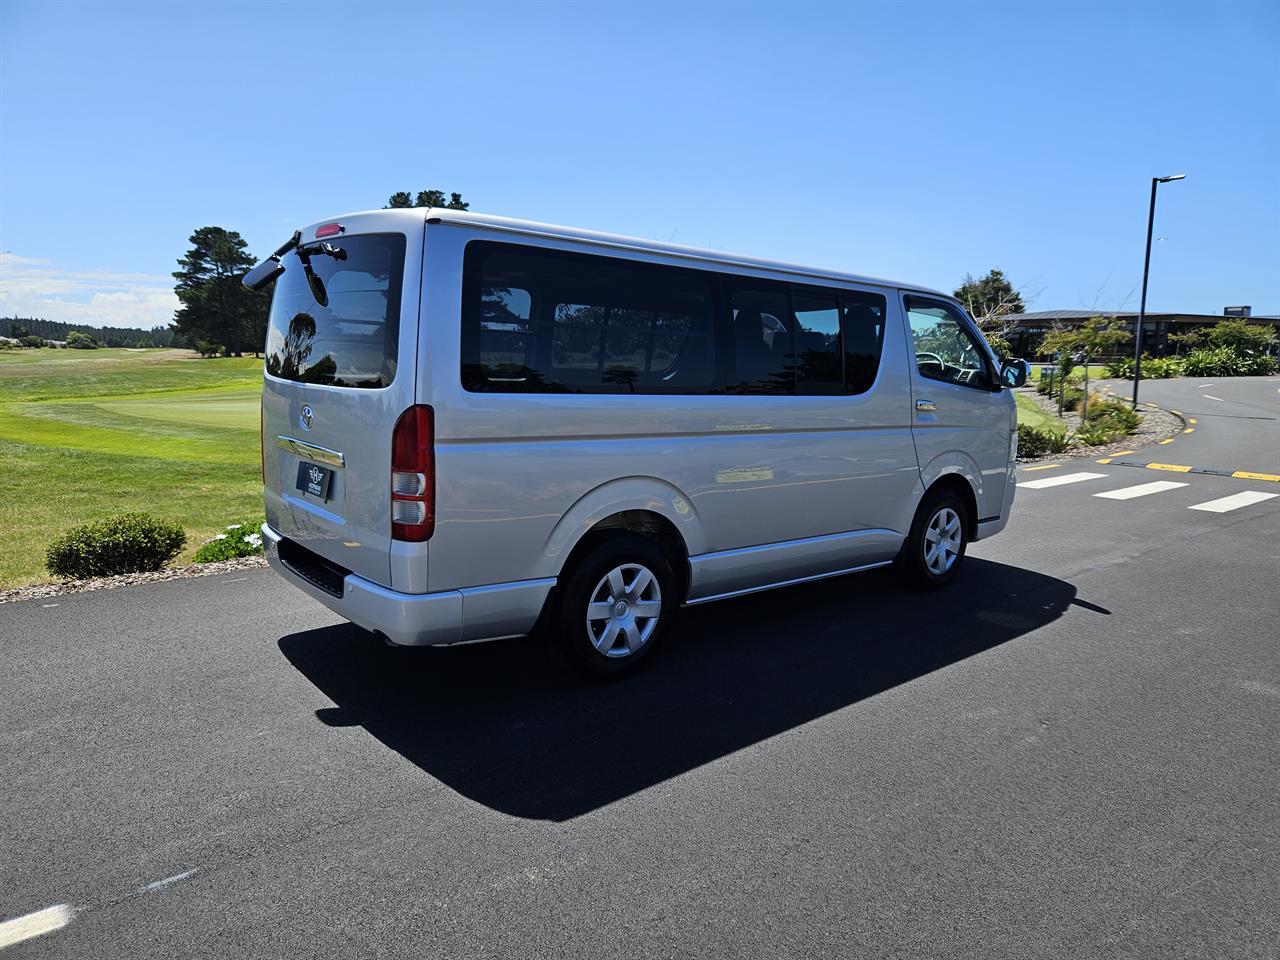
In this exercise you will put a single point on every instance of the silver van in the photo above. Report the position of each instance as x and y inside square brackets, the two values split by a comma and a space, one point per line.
[473, 425]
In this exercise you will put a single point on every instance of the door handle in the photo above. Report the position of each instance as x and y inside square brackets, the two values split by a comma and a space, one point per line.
[926, 406]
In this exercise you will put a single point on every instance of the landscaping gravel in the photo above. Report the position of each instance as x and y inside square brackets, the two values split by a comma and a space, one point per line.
[41, 590]
[1157, 424]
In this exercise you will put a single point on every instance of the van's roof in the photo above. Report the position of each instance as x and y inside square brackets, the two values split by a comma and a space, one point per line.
[619, 241]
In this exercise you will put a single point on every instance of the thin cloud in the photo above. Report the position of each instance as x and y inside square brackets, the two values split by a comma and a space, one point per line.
[30, 287]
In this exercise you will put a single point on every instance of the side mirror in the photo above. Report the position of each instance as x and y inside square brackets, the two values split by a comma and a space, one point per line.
[263, 273]
[1014, 373]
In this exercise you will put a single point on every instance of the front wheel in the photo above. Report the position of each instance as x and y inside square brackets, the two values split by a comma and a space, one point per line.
[616, 604]
[936, 545]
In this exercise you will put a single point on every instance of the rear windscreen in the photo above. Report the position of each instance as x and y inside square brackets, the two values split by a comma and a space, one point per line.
[352, 341]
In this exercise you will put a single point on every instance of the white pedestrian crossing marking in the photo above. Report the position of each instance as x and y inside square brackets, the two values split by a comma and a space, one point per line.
[1234, 502]
[1060, 480]
[1141, 490]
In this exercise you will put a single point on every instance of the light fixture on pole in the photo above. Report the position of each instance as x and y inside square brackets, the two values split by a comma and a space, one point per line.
[1146, 268]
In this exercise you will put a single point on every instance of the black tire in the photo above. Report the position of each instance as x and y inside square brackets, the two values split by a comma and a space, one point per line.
[914, 560]
[632, 638]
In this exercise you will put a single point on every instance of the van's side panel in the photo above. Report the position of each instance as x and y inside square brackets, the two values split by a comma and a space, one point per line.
[730, 471]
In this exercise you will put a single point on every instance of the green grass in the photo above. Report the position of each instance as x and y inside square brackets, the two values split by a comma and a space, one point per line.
[86, 434]
[1029, 413]
[1097, 371]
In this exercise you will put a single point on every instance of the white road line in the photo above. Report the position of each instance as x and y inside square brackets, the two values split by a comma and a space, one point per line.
[1207, 397]
[1141, 490]
[34, 925]
[1234, 502]
[1060, 480]
[161, 884]
[1203, 385]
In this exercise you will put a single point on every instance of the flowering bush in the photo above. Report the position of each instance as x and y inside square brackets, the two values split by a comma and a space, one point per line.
[238, 540]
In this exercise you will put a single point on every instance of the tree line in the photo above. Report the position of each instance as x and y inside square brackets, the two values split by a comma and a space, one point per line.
[20, 327]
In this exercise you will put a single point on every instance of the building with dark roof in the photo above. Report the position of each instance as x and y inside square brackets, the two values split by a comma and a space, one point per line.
[1030, 328]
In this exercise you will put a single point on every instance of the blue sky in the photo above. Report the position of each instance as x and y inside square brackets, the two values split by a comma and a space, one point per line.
[914, 141]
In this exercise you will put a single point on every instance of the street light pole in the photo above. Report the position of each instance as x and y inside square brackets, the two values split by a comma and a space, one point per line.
[1146, 269]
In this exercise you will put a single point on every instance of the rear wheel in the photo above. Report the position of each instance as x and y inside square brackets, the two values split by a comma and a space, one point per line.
[615, 605]
[936, 545]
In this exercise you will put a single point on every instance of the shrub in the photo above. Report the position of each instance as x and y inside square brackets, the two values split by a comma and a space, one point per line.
[1241, 336]
[129, 543]
[1153, 368]
[1116, 411]
[1161, 368]
[81, 341]
[1034, 442]
[239, 540]
[1122, 368]
[31, 341]
[1107, 421]
[1228, 362]
[1098, 435]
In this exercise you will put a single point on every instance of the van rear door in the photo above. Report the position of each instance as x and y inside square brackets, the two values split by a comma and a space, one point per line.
[340, 360]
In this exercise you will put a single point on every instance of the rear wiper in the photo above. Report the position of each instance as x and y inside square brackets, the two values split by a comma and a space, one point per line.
[270, 268]
[322, 248]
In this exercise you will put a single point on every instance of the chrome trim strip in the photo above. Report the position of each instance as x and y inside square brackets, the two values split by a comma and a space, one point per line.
[789, 583]
[310, 451]
[843, 536]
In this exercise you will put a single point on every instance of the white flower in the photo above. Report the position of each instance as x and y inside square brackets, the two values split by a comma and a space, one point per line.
[235, 526]
[253, 539]
[221, 536]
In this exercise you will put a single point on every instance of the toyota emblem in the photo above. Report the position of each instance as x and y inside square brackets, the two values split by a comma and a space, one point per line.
[306, 417]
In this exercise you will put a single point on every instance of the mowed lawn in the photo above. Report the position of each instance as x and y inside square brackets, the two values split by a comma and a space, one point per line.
[85, 434]
[1030, 414]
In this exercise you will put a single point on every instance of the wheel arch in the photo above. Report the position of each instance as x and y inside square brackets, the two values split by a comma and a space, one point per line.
[959, 484]
[644, 505]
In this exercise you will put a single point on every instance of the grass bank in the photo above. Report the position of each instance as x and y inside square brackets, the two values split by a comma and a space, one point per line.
[1030, 414]
[85, 434]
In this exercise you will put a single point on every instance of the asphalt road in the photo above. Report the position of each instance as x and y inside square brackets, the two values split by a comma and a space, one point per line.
[1237, 421]
[1070, 753]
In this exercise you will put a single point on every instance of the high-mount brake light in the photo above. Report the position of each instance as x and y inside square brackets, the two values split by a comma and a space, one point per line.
[413, 512]
[329, 230]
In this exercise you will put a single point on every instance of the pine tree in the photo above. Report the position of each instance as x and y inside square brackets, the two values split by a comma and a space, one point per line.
[215, 305]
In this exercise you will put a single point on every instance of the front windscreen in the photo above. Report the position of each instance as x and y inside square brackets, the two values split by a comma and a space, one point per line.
[351, 341]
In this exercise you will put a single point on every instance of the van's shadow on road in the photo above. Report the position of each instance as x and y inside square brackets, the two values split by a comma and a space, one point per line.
[508, 725]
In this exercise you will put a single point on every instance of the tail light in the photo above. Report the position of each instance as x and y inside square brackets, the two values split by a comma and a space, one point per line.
[413, 482]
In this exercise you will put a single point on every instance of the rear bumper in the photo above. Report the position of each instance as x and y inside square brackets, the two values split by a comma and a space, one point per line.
[428, 619]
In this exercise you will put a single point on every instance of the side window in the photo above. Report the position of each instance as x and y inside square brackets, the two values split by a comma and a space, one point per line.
[762, 336]
[862, 324]
[506, 334]
[817, 358]
[945, 349]
[536, 320]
